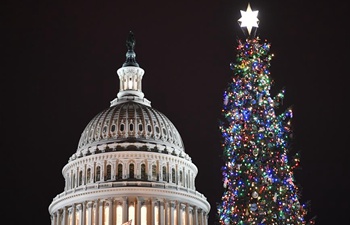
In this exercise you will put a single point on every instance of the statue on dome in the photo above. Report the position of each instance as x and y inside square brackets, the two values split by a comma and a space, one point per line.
[130, 42]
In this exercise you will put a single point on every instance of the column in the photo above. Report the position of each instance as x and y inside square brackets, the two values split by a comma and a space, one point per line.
[202, 218]
[58, 217]
[195, 214]
[73, 211]
[178, 210]
[161, 213]
[166, 212]
[89, 208]
[172, 208]
[110, 212]
[138, 211]
[79, 208]
[114, 212]
[151, 212]
[53, 219]
[188, 211]
[95, 212]
[64, 219]
[100, 212]
[125, 209]
[83, 214]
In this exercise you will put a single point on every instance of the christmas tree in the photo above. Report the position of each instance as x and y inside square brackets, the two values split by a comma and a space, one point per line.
[259, 186]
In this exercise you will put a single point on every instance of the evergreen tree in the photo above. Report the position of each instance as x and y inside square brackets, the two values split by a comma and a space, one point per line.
[259, 186]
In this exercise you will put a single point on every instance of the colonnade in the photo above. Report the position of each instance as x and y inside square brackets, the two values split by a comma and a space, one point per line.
[140, 210]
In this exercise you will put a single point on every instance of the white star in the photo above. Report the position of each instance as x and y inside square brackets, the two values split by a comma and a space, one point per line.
[249, 19]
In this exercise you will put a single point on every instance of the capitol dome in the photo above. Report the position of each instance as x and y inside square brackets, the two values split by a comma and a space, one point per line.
[130, 166]
[130, 122]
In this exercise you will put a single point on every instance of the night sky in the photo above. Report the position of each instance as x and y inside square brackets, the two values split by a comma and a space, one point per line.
[58, 70]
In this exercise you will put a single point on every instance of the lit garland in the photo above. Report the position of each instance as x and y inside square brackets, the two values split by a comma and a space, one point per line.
[257, 176]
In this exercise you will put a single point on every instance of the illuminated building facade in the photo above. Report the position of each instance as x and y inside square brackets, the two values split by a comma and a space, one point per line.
[130, 166]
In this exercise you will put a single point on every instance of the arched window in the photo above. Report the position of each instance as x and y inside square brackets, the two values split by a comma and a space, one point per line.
[80, 177]
[173, 175]
[164, 173]
[180, 178]
[154, 172]
[88, 175]
[73, 181]
[131, 171]
[109, 172]
[143, 171]
[98, 173]
[120, 171]
[188, 179]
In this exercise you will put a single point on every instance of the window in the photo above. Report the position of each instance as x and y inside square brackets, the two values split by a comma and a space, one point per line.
[131, 127]
[109, 172]
[154, 172]
[157, 129]
[122, 126]
[140, 126]
[113, 128]
[73, 181]
[88, 175]
[98, 173]
[164, 173]
[80, 177]
[180, 177]
[120, 171]
[173, 177]
[131, 171]
[143, 171]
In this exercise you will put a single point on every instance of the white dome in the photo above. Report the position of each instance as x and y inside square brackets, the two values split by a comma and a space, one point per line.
[132, 123]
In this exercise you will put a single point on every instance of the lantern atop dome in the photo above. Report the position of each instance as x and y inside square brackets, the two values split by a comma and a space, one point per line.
[130, 77]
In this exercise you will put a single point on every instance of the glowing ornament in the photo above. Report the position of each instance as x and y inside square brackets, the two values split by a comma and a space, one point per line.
[271, 135]
[249, 19]
[226, 100]
[225, 183]
[253, 207]
[255, 152]
[255, 194]
[275, 197]
[227, 221]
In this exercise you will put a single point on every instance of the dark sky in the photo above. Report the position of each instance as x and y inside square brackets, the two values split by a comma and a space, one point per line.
[59, 62]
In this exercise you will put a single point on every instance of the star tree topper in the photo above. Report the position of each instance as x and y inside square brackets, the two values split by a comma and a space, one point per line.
[249, 19]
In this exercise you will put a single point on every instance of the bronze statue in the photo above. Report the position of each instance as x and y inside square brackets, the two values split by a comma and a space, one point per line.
[130, 42]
